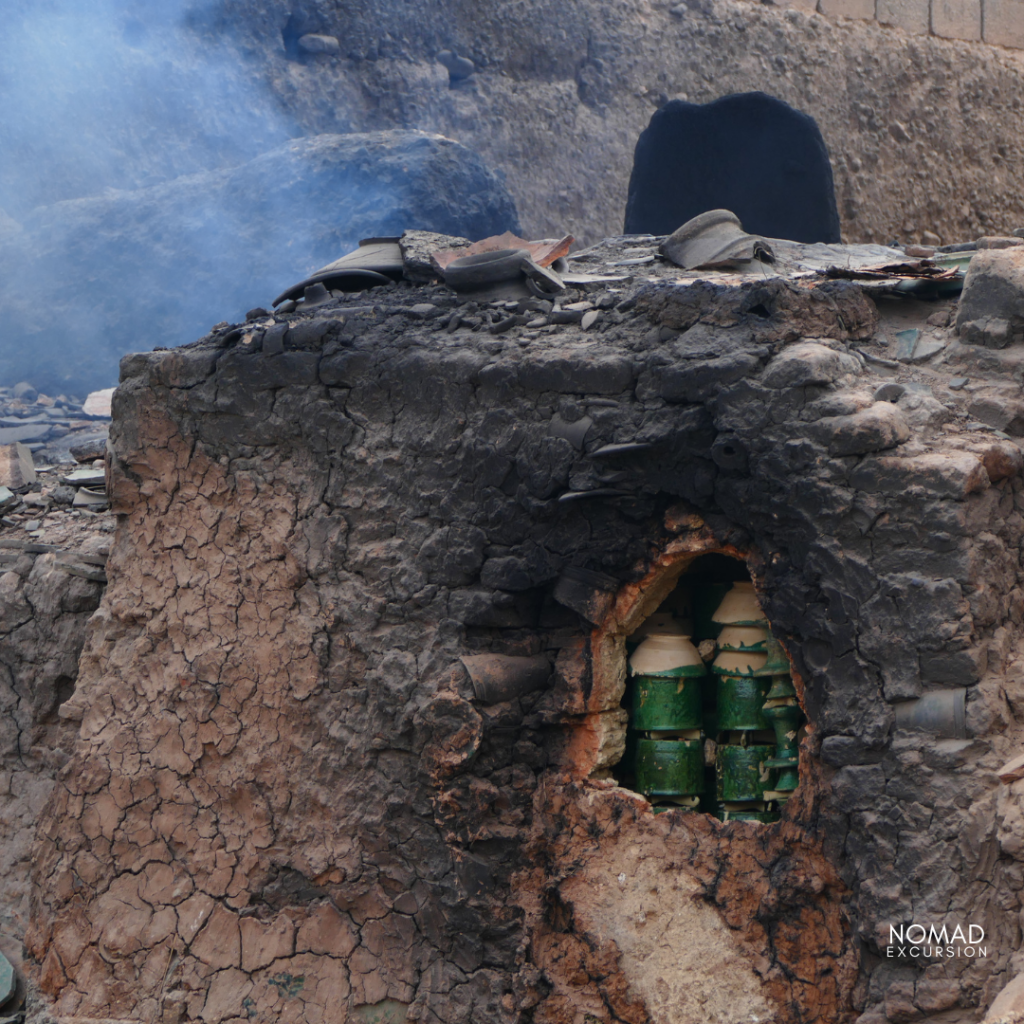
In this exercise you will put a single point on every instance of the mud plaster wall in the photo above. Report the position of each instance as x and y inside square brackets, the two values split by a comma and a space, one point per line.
[284, 804]
[922, 131]
[43, 615]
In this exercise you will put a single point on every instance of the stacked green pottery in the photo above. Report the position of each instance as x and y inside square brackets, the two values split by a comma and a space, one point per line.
[669, 767]
[784, 715]
[755, 812]
[667, 714]
[667, 671]
[740, 691]
[743, 773]
[739, 607]
[743, 639]
[682, 803]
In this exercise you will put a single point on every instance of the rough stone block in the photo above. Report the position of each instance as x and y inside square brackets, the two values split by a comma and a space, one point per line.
[807, 6]
[864, 9]
[909, 15]
[1004, 24]
[954, 668]
[939, 475]
[957, 19]
[1001, 407]
[807, 363]
[880, 426]
[994, 285]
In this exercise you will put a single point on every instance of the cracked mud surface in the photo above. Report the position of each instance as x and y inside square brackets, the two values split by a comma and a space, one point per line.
[284, 802]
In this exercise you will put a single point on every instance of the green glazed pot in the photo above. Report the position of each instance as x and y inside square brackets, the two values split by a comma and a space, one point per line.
[785, 720]
[740, 699]
[666, 704]
[670, 767]
[742, 772]
[765, 817]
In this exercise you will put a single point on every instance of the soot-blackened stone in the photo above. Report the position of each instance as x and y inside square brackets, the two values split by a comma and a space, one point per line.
[749, 153]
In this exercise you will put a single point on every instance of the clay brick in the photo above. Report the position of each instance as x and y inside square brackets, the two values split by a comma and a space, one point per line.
[909, 15]
[864, 9]
[957, 19]
[1004, 23]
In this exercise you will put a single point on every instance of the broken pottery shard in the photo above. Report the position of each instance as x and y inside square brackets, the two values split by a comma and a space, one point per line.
[90, 498]
[16, 466]
[375, 261]
[993, 290]
[8, 981]
[543, 253]
[1012, 771]
[926, 348]
[906, 342]
[715, 238]
[85, 478]
[501, 677]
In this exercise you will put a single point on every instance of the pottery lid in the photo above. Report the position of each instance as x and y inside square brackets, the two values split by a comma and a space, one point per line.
[738, 663]
[743, 638]
[666, 654]
[739, 607]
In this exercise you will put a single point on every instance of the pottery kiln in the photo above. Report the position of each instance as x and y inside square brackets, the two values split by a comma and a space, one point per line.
[289, 801]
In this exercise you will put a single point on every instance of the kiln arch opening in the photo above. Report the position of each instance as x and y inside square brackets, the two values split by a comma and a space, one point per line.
[714, 720]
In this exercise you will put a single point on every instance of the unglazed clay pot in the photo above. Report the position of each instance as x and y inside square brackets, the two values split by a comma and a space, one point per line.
[666, 654]
[743, 638]
[739, 663]
[740, 607]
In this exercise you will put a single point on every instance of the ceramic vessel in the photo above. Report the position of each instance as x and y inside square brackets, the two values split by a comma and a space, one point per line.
[740, 703]
[739, 663]
[776, 663]
[669, 767]
[742, 772]
[666, 703]
[754, 812]
[785, 716]
[743, 638]
[740, 607]
[666, 654]
[782, 689]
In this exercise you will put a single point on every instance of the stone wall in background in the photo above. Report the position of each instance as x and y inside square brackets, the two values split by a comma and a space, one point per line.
[998, 22]
[921, 129]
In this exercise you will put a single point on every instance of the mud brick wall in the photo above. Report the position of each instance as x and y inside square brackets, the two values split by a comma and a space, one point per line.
[997, 22]
[285, 803]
